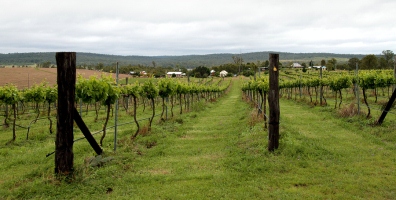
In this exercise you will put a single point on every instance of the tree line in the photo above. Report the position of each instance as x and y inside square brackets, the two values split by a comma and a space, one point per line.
[235, 64]
[386, 60]
[188, 61]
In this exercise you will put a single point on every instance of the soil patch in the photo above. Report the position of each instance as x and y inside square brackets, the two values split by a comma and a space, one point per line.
[26, 77]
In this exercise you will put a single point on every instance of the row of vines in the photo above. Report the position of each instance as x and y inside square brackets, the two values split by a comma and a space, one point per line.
[331, 85]
[96, 92]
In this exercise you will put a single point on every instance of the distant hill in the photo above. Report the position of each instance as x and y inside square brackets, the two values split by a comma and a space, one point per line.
[188, 61]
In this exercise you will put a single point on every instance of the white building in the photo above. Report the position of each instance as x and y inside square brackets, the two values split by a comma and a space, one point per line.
[296, 65]
[318, 67]
[177, 74]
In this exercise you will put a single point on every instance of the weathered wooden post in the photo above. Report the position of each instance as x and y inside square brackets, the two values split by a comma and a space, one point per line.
[273, 102]
[321, 86]
[394, 73]
[66, 79]
[387, 108]
[357, 87]
[116, 113]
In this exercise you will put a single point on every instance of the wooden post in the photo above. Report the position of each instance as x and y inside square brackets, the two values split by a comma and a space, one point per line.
[273, 102]
[387, 108]
[320, 86]
[299, 86]
[84, 129]
[66, 78]
[357, 87]
[116, 113]
[6, 116]
[394, 73]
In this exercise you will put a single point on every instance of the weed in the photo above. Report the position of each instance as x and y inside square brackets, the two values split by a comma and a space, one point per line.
[349, 111]
[179, 120]
[144, 130]
[212, 100]
[254, 118]
[150, 144]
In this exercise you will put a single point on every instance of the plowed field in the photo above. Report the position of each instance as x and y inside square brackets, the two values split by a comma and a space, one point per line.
[25, 77]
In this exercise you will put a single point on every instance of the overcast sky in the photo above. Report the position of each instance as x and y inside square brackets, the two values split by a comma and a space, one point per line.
[184, 27]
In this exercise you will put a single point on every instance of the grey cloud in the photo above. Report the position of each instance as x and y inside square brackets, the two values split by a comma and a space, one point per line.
[178, 27]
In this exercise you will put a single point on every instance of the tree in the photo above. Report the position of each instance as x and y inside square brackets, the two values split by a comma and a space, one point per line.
[201, 72]
[266, 63]
[238, 61]
[248, 73]
[323, 63]
[383, 64]
[158, 72]
[231, 68]
[369, 62]
[183, 69]
[344, 66]
[332, 62]
[352, 63]
[100, 66]
[389, 55]
[46, 64]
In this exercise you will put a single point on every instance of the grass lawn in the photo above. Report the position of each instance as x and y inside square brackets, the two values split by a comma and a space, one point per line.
[213, 153]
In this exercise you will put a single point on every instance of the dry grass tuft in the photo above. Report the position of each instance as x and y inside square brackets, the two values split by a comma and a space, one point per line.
[349, 111]
[144, 131]
[254, 118]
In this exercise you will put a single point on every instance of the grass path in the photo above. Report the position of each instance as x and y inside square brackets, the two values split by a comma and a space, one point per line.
[337, 159]
[193, 165]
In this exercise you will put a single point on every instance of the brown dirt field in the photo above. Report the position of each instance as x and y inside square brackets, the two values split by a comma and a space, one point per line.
[24, 77]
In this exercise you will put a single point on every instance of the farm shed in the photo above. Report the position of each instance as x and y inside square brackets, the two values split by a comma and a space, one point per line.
[177, 74]
[296, 65]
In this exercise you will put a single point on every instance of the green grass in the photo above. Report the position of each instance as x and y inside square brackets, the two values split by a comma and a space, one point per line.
[213, 153]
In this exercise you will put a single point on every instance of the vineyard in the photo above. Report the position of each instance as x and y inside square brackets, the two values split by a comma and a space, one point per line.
[199, 139]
